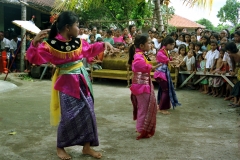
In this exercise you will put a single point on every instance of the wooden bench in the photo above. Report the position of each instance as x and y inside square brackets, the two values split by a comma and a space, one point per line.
[225, 76]
[116, 67]
[113, 67]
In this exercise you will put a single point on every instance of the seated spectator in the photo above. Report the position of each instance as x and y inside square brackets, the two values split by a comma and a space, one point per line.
[109, 38]
[118, 38]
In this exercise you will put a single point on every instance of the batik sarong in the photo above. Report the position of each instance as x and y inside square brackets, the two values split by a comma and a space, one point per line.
[144, 107]
[78, 122]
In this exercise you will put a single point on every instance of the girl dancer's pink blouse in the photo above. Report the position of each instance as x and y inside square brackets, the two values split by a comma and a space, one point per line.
[140, 64]
[67, 83]
[161, 58]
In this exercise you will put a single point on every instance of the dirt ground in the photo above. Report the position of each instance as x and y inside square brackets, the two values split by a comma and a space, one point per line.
[202, 128]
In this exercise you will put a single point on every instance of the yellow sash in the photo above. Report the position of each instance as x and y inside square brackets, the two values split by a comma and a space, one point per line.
[55, 101]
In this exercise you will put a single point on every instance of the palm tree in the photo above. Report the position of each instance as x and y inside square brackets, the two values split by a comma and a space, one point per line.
[200, 3]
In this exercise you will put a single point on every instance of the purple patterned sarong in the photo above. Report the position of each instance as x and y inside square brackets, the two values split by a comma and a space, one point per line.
[78, 121]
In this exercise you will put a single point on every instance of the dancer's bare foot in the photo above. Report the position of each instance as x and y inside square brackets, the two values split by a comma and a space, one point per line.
[92, 153]
[164, 112]
[62, 154]
[205, 92]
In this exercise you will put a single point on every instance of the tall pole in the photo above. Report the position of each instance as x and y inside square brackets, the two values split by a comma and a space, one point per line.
[23, 32]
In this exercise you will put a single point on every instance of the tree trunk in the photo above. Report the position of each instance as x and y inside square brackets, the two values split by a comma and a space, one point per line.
[23, 32]
[154, 19]
[159, 15]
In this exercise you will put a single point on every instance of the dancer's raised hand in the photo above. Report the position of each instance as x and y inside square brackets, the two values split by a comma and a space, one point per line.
[40, 36]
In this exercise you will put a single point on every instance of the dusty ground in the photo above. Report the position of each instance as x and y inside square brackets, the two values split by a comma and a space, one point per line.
[202, 128]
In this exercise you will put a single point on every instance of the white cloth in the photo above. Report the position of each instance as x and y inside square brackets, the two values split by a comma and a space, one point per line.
[189, 62]
[211, 57]
[198, 38]
[156, 44]
[83, 36]
[13, 45]
[152, 51]
[5, 43]
[226, 58]
[178, 43]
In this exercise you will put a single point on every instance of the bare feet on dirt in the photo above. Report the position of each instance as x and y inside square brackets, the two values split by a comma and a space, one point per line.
[92, 153]
[164, 112]
[62, 154]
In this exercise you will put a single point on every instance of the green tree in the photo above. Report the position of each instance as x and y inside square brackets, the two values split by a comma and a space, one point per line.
[206, 23]
[229, 12]
[115, 11]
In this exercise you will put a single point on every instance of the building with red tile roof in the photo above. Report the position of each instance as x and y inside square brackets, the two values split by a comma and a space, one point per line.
[181, 22]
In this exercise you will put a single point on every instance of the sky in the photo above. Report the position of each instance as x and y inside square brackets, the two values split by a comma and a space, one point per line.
[197, 13]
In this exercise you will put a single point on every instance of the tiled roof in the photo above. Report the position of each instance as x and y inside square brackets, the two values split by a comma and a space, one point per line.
[181, 22]
[42, 5]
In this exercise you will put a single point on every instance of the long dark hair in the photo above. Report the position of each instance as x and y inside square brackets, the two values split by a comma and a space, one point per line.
[167, 40]
[65, 18]
[139, 39]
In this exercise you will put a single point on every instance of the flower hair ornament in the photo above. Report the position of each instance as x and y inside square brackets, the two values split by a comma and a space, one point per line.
[53, 18]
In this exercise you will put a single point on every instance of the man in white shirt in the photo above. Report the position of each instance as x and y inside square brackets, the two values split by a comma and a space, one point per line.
[5, 44]
[154, 40]
[81, 33]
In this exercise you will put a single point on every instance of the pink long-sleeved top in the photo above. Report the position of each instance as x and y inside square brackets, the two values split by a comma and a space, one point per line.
[161, 58]
[66, 83]
[140, 64]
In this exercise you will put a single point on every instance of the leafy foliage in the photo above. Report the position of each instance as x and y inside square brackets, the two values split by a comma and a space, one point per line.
[229, 12]
[200, 3]
[206, 23]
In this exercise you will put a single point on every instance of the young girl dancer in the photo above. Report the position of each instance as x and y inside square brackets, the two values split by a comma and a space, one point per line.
[142, 89]
[71, 87]
[166, 92]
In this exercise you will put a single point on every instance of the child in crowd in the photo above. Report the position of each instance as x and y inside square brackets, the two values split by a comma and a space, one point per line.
[182, 51]
[211, 58]
[214, 36]
[118, 38]
[152, 50]
[235, 55]
[217, 81]
[108, 37]
[187, 39]
[237, 39]
[142, 92]
[193, 38]
[205, 43]
[181, 40]
[189, 60]
[92, 38]
[197, 48]
[121, 47]
[223, 42]
[159, 40]
[191, 47]
[127, 40]
[204, 82]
